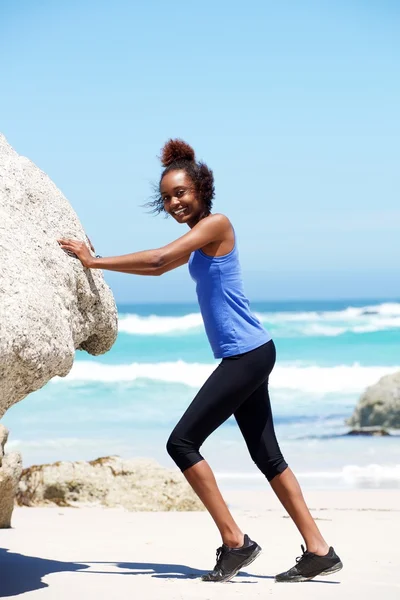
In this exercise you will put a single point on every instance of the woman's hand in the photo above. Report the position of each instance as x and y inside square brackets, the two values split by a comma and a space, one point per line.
[79, 249]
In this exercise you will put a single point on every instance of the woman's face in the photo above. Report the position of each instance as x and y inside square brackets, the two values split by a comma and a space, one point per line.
[180, 198]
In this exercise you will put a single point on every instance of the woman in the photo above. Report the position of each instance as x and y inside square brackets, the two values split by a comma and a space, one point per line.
[239, 385]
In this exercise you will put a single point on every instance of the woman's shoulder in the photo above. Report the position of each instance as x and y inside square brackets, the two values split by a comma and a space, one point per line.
[217, 225]
[220, 220]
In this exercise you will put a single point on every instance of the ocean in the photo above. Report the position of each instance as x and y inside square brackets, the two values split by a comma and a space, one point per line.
[128, 401]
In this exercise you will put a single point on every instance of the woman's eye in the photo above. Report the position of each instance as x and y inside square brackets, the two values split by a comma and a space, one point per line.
[180, 193]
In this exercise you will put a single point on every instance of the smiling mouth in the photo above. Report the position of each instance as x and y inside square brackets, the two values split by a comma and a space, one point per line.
[179, 212]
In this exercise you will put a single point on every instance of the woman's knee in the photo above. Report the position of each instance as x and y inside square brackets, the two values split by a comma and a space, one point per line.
[275, 468]
[173, 446]
[182, 451]
[270, 466]
[178, 447]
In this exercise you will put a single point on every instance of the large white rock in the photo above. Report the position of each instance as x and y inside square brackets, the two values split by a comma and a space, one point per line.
[10, 472]
[49, 304]
[110, 481]
[379, 405]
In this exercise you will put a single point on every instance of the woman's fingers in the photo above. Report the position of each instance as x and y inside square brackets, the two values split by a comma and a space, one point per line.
[71, 244]
[77, 248]
[63, 242]
[67, 241]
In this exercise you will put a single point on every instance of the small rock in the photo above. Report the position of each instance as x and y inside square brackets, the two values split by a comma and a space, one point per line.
[137, 485]
[379, 406]
[10, 472]
[374, 431]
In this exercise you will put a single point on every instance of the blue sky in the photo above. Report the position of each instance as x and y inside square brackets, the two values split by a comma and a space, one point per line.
[294, 105]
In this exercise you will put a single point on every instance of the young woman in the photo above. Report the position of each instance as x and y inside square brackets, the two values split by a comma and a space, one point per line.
[239, 385]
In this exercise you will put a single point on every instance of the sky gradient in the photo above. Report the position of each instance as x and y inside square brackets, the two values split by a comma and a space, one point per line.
[294, 105]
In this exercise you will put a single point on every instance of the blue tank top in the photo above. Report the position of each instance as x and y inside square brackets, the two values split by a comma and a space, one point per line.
[230, 325]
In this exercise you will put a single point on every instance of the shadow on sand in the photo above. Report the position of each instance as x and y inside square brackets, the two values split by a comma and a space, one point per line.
[166, 571]
[20, 573]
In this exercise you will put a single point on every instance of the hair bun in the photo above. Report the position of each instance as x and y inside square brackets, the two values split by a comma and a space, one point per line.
[175, 150]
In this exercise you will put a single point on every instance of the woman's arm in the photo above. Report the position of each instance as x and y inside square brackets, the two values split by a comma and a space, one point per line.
[155, 271]
[213, 228]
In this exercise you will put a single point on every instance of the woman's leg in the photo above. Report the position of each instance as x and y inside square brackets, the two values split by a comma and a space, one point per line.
[227, 387]
[287, 488]
[202, 480]
[255, 420]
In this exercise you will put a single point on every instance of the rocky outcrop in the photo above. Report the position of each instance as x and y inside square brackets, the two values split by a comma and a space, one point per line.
[10, 472]
[379, 406]
[110, 481]
[49, 304]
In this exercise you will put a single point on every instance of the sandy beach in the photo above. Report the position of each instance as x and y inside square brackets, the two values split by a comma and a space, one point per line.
[96, 553]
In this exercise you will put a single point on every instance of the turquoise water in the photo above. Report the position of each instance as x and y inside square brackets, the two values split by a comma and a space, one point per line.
[127, 401]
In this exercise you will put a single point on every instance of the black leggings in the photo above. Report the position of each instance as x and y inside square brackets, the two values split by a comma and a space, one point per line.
[239, 387]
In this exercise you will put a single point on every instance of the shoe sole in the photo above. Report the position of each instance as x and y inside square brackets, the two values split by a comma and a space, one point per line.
[257, 551]
[299, 579]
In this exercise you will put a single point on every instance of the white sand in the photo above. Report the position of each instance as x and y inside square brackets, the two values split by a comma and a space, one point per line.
[94, 553]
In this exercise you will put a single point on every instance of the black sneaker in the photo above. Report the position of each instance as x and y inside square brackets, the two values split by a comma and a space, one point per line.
[231, 560]
[310, 565]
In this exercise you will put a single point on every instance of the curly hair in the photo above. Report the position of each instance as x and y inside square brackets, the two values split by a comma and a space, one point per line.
[178, 155]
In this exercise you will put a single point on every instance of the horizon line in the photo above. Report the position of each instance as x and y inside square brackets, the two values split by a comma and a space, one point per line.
[291, 300]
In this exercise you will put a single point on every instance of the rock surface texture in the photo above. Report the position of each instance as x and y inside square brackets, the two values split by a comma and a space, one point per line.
[379, 405]
[49, 304]
[10, 472]
[137, 485]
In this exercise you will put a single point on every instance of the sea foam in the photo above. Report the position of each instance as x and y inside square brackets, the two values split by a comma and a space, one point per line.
[308, 379]
[155, 325]
[375, 474]
[366, 319]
